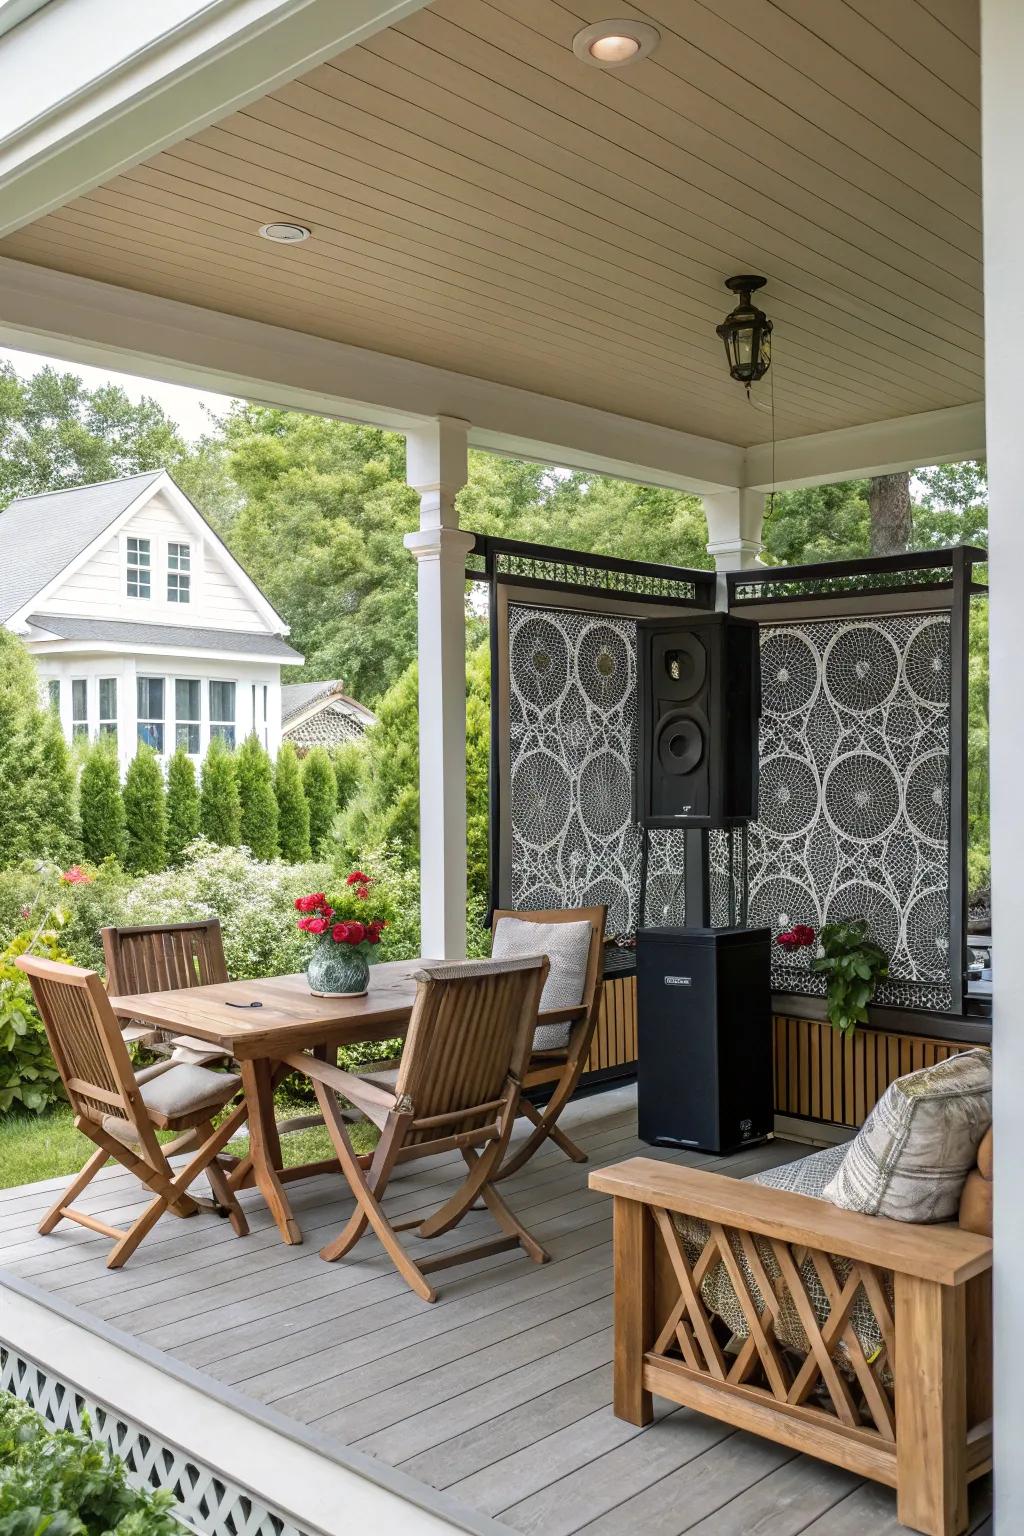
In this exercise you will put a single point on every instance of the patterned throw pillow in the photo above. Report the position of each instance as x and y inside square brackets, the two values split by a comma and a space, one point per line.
[567, 946]
[913, 1153]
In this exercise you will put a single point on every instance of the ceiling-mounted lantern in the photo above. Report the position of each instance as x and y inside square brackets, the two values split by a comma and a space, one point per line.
[746, 332]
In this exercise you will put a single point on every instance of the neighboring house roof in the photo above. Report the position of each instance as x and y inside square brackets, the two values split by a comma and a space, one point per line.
[164, 637]
[41, 535]
[322, 714]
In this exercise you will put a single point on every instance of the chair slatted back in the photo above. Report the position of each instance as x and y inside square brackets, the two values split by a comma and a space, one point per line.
[163, 958]
[597, 917]
[468, 1043]
[84, 1036]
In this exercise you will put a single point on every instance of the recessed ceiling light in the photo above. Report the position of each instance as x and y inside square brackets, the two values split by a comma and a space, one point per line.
[285, 234]
[611, 44]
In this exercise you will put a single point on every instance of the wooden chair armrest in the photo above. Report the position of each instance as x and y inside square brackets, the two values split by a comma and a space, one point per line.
[369, 1097]
[561, 1015]
[942, 1253]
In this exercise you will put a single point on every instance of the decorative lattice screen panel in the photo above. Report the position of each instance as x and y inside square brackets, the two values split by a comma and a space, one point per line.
[854, 807]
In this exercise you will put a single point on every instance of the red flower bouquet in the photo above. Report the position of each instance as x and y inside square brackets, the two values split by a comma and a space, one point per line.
[800, 936]
[348, 926]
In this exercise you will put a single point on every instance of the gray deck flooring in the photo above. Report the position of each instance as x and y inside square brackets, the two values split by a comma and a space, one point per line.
[499, 1394]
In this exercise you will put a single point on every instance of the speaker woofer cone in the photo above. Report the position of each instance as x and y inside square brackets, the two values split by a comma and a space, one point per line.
[680, 743]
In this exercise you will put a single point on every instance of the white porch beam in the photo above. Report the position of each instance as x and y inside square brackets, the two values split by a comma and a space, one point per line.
[1002, 121]
[735, 519]
[437, 466]
[107, 326]
[92, 87]
[880, 448]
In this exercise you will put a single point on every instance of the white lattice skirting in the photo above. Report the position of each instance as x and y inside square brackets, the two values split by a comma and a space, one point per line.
[270, 1477]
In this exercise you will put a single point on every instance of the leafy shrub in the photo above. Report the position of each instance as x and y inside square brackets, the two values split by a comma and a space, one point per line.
[103, 818]
[64, 1484]
[36, 789]
[56, 783]
[349, 762]
[292, 810]
[320, 788]
[255, 774]
[220, 807]
[254, 901]
[182, 805]
[145, 809]
[28, 1077]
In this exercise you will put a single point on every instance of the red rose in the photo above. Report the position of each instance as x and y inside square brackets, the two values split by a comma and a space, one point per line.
[314, 924]
[363, 892]
[310, 903]
[356, 931]
[788, 940]
[803, 933]
[339, 933]
[357, 878]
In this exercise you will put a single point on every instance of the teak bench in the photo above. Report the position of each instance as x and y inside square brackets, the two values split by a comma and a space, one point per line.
[915, 1416]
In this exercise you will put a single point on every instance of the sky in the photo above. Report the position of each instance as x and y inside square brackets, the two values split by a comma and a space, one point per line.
[184, 406]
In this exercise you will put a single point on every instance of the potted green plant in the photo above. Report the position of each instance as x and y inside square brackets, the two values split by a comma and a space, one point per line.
[347, 927]
[852, 962]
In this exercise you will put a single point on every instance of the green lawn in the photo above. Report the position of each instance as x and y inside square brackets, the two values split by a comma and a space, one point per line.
[47, 1146]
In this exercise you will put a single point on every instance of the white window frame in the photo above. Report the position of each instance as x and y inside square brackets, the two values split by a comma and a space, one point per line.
[228, 729]
[179, 575]
[107, 719]
[79, 723]
[148, 721]
[139, 565]
[191, 723]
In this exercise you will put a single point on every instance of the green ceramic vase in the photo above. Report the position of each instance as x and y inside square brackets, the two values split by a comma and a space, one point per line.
[337, 970]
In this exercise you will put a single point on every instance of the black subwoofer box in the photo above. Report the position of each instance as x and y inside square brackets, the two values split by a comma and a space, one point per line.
[704, 1037]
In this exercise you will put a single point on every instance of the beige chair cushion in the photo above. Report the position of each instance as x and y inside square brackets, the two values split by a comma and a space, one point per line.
[911, 1157]
[179, 1092]
[567, 946]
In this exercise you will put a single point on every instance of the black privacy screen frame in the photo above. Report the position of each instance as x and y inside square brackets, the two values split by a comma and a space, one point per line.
[863, 782]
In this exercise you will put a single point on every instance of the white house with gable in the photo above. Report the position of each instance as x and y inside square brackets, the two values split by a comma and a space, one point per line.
[141, 622]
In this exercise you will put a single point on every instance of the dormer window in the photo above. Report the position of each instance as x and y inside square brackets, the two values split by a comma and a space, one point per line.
[179, 573]
[139, 568]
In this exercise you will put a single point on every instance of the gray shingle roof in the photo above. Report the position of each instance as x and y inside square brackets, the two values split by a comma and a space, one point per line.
[296, 697]
[41, 535]
[167, 636]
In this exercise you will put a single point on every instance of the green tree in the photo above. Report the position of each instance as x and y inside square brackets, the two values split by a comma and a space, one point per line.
[292, 809]
[384, 812]
[183, 821]
[104, 833]
[145, 809]
[220, 808]
[57, 789]
[349, 762]
[255, 774]
[56, 432]
[320, 788]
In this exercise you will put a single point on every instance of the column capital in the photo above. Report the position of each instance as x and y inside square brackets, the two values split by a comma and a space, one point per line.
[735, 554]
[438, 542]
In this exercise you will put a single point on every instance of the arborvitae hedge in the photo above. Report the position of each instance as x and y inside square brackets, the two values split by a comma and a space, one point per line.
[145, 807]
[255, 775]
[292, 810]
[182, 805]
[321, 790]
[60, 831]
[220, 806]
[102, 804]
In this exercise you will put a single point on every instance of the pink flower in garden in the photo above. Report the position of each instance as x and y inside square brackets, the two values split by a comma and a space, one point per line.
[76, 875]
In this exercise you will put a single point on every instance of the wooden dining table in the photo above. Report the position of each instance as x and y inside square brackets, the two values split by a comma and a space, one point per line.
[258, 1023]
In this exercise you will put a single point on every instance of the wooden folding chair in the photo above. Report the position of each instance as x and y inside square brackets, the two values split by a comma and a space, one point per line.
[457, 1088]
[163, 958]
[122, 1112]
[560, 1066]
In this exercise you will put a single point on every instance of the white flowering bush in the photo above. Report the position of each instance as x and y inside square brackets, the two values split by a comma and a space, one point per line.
[255, 902]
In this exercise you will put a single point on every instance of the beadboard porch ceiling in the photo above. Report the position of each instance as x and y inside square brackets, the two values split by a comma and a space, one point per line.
[482, 200]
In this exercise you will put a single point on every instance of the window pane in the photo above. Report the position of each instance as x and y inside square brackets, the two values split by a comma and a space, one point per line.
[186, 698]
[187, 736]
[54, 691]
[150, 698]
[108, 698]
[222, 702]
[108, 728]
[225, 732]
[152, 733]
[179, 588]
[179, 557]
[79, 699]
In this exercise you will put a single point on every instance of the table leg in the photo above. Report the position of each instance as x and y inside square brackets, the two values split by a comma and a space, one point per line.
[265, 1147]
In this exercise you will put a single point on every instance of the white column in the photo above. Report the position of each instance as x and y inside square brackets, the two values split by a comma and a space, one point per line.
[436, 466]
[1002, 51]
[734, 528]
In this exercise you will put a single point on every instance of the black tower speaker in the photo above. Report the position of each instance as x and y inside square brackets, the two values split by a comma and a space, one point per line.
[699, 701]
[704, 1046]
